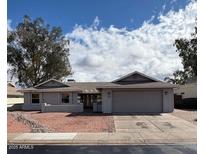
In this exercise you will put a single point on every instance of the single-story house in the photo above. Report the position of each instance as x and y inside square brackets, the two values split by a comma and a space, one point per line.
[133, 93]
[13, 96]
[188, 90]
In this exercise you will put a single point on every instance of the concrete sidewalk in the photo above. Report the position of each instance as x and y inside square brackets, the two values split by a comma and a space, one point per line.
[103, 138]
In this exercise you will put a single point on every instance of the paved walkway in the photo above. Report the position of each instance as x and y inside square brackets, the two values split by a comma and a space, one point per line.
[160, 129]
[188, 115]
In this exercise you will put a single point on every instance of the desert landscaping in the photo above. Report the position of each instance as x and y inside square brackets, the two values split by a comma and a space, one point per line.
[35, 122]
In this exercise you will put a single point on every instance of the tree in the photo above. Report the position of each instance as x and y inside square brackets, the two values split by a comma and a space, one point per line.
[179, 77]
[187, 49]
[36, 52]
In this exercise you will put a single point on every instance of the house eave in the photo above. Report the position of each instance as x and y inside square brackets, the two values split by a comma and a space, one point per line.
[49, 90]
[138, 87]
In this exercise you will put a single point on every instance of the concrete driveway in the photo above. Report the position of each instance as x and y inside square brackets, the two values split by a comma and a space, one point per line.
[163, 126]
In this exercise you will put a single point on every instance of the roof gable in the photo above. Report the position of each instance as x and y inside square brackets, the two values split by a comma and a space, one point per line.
[52, 83]
[135, 77]
[9, 84]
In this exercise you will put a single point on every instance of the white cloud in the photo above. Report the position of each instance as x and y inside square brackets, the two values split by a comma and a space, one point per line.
[105, 54]
[96, 22]
[92, 60]
[9, 24]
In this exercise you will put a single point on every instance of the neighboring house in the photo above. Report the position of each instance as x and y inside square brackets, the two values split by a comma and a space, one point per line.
[188, 90]
[185, 96]
[133, 93]
[13, 97]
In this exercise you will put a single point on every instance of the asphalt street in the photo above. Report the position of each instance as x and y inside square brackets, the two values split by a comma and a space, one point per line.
[102, 149]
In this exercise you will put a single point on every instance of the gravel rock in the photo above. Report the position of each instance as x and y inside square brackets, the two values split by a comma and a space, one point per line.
[33, 124]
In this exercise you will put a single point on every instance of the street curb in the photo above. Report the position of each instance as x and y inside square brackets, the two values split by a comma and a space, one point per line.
[70, 139]
[102, 142]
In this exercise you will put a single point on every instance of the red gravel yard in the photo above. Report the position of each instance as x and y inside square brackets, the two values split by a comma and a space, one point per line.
[73, 122]
[13, 126]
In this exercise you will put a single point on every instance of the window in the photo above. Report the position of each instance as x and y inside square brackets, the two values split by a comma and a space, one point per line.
[35, 98]
[65, 98]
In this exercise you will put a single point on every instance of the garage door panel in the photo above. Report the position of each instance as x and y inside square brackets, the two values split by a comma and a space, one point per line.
[137, 101]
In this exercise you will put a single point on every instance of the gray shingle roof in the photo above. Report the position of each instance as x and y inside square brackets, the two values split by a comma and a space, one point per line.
[87, 87]
[149, 85]
[94, 87]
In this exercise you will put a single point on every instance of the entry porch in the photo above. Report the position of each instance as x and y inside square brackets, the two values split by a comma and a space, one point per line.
[91, 102]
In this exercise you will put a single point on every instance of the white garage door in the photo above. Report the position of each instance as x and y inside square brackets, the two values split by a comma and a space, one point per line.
[137, 101]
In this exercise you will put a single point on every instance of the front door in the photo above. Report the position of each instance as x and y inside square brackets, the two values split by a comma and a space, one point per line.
[88, 100]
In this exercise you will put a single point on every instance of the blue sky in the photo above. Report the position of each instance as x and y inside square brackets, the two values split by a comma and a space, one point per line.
[110, 38]
[67, 13]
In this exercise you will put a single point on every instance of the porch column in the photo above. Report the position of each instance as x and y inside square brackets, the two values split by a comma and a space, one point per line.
[74, 97]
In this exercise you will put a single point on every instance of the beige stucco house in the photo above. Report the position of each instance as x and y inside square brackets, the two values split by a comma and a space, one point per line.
[133, 93]
[13, 97]
[188, 90]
